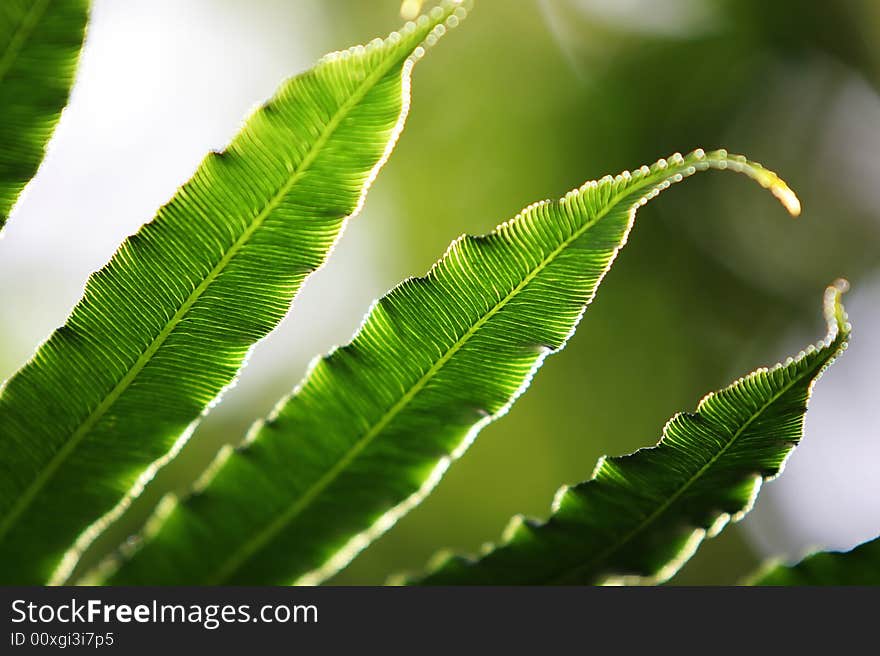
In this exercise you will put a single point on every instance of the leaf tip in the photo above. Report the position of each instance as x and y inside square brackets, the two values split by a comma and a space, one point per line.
[721, 159]
[835, 313]
[775, 185]
[841, 285]
[786, 196]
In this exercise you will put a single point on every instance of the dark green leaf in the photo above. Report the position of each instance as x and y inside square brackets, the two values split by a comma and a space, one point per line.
[641, 516]
[40, 41]
[167, 324]
[376, 423]
[859, 566]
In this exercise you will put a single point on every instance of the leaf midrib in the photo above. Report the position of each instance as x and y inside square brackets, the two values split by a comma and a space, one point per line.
[86, 425]
[20, 36]
[261, 538]
[572, 574]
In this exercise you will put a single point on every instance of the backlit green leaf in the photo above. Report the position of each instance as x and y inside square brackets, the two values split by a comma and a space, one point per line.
[641, 516]
[40, 41]
[166, 325]
[376, 423]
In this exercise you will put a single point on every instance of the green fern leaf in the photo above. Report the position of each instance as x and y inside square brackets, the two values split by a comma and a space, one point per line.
[376, 423]
[166, 325]
[858, 566]
[40, 43]
[641, 516]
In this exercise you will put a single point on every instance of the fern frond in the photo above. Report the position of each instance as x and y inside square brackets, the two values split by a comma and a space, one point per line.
[376, 423]
[641, 516]
[166, 325]
[40, 42]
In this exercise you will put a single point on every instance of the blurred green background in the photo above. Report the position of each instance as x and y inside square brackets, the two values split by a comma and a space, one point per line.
[524, 101]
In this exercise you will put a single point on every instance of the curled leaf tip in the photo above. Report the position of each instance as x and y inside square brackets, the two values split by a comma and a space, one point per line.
[841, 285]
[721, 159]
[835, 313]
[786, 196]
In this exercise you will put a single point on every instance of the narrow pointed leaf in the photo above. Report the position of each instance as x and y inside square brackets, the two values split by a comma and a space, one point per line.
[165, 326]
[641, 516]
[40, 42]
[376, 423]
[858, 566]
